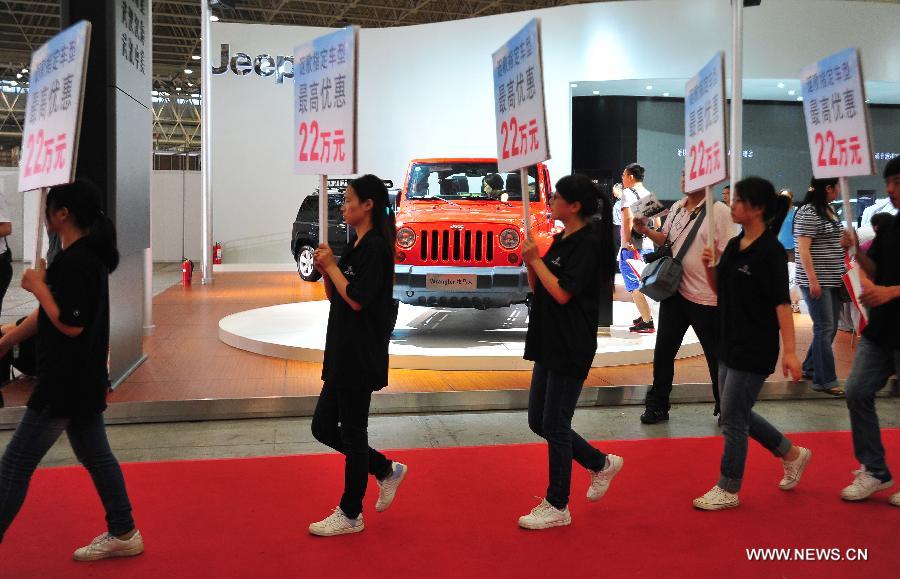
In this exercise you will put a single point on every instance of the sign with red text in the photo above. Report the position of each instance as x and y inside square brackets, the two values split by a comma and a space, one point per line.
[53, 114]
[704, 127]
[837, 119]
[325, 73]
[519, 101]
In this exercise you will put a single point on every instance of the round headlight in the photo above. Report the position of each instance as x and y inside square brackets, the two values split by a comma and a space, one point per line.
[406, 237]
[509, 239]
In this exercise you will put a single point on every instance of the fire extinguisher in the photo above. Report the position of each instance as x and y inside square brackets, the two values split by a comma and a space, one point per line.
[217, 254]
[187, 270]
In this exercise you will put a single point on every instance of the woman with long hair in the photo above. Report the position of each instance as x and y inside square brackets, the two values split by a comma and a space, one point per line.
[562, 340]
[360, 322]
[819, 273]
[751, 281]
[72, 345]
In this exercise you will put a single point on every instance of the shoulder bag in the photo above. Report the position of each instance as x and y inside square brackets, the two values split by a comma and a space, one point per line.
[661, 278]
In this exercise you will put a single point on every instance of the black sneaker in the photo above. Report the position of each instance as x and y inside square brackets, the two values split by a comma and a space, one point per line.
[643, 328]
[637, 321]
[654, 416]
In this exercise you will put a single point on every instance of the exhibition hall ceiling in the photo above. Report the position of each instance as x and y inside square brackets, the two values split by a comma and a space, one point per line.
[26, 24]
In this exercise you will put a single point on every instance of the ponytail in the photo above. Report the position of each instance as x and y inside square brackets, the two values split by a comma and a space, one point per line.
[383, 218]
[83, 200]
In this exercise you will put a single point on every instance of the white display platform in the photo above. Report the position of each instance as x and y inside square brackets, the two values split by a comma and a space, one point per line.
[433, 338]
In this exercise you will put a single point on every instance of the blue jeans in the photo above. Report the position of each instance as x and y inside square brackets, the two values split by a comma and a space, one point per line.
[551, 405]
[819, 362]
[872, 367]
[34, 436]
[739, 392]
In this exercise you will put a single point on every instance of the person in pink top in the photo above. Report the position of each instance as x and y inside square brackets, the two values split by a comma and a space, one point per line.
[694, 305]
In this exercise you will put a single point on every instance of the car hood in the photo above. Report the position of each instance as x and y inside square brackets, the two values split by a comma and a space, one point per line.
[462, 212]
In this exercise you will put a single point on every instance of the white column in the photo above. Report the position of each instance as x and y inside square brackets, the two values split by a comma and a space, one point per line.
[206, 144]
[735, 163]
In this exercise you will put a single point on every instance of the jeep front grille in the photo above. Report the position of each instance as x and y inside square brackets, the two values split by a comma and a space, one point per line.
[453, 246]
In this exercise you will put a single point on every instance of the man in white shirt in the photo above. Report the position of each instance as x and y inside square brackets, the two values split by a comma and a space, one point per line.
[633, 190]
[694, 305]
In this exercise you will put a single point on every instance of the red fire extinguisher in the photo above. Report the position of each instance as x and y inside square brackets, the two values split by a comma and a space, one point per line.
[187, 270]
[217, 253]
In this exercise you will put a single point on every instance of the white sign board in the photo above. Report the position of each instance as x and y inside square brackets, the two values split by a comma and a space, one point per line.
[53, 116]
[325, 73]
[837, 123]
[704, 127]
[519, 101]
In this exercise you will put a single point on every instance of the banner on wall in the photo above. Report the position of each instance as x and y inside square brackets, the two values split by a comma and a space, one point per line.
[53, 115]
[325, 83]
[521, 116]
[837, 119]
[704, 126]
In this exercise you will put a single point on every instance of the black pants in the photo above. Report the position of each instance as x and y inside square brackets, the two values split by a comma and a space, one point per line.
[6, 272]
[551, 405]
[676, 314]
[341, 421]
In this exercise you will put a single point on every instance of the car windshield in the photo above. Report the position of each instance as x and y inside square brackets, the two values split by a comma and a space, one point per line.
[467, 182]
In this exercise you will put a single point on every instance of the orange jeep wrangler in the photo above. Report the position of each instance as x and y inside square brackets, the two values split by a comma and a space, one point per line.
[460, 231]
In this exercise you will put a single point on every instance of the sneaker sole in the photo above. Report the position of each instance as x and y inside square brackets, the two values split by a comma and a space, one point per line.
[620, 463]
[347, 531]
[881, 487]
[796, 481]
[382, 508]
[562, 523]
[114, 555]
[707, 507]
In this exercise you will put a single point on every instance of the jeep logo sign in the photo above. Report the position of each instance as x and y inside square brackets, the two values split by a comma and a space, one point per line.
[241, 64]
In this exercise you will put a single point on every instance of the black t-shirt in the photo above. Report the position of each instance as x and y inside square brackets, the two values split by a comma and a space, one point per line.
[356, 344]
[564, 337]
[884, 321]
[752, 284]
[72, 373]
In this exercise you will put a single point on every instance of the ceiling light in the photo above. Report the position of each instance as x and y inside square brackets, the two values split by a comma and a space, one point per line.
[188, 71]
[649, 87]
[665, 94]
[213, 18]
[573, 85]
[178, 88]
[195, 57]
[792, 92]
[24, 71]
[780, 85]
[19, 75]
[867, 100]
[799, 99]
[13, 83]
[596, 92]
[190, 84]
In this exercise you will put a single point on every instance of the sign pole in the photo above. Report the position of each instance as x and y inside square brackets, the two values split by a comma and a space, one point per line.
[526, 201]
[41, 222]
[737, 89]
[323, 209]
[206, 143]
[711, 222]
[848, 209]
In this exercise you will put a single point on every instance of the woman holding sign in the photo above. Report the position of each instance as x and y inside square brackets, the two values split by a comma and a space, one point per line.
[360, 321]
[72, 329]
[751, 281]
[562, 341]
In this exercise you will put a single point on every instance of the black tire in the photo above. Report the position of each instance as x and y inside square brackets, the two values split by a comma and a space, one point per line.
[304, 258]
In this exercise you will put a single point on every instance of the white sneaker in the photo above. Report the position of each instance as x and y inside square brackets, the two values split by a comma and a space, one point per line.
[600, 480]
[864, 486]
[107, 546]
[717, 499]
[545, 516]
[895, 499]
[337, 524]
[387, 488]
[793, 469]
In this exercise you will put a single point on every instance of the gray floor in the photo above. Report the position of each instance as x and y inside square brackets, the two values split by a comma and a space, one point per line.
[18, 303]
[284, 436]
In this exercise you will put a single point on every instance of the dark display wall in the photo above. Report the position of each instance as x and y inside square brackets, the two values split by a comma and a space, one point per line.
[775, 145]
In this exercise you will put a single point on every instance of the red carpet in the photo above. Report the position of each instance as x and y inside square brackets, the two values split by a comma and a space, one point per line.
[456, 517]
